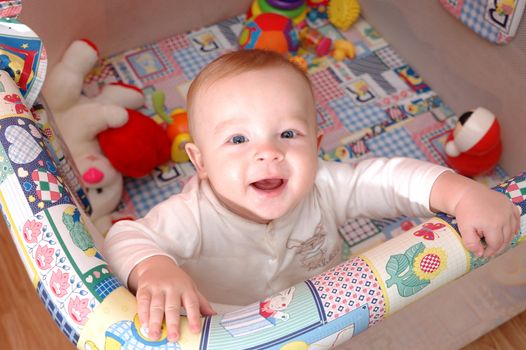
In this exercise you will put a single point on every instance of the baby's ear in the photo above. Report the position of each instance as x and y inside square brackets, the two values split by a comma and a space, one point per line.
[319, 138]
[196, 158]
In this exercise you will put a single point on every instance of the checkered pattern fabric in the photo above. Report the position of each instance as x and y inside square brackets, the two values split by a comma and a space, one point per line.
[356, 118]
[428, 141]
[495, 20]
[145, 194]
[430, 263]
[390, 58]
[21, 146]
[349, 286]
[56, 314]
[323, 118]
[355, 231]
[191, 62]
[104, 288]
[105, 74]
[123, 70]
[473, 16]
[176, 42]
[326, 86]
[48, 187]
[396, 143]
[517, 191]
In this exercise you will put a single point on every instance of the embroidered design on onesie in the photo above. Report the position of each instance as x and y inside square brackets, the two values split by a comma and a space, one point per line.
[313, 252]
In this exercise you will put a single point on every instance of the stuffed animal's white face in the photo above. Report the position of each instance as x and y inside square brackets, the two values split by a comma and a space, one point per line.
[103, 182]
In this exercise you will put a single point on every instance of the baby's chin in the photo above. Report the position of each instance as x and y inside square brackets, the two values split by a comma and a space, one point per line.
[266, 214]
[262, 216]
[248, 213]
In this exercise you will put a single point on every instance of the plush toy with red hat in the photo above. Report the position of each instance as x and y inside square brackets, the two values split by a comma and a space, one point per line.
[474, 147]
[131, 144]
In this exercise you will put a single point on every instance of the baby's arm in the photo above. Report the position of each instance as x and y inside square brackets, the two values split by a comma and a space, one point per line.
[480, 212]
[162, 289]
[144, 254]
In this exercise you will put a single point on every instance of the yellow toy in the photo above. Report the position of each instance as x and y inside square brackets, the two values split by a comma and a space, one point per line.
[176, 129]
[343, 13]
[179, 135]
[343, 49]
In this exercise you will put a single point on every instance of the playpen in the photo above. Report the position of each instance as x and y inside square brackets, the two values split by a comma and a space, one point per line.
[463, 68]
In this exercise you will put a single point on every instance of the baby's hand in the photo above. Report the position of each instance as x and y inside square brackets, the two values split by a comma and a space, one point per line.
[483, 213]
[162, 289]
[480, 212]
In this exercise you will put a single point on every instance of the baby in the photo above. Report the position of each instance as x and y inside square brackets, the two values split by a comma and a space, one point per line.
[262, 212]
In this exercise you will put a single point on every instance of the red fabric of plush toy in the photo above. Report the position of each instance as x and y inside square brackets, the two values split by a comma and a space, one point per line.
[137, 147]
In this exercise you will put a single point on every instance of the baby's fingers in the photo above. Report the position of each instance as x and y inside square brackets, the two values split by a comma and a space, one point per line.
[172, 312]
[191, 305]
[495, 242]
[511, 228]
[156, 315]
[471, 239]
[205, 307]
[144, 299]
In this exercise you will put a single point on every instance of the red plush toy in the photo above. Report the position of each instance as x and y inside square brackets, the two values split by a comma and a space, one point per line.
[137, 147]
[474, 146]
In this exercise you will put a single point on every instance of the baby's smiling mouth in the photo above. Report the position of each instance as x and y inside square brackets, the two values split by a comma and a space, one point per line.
[268, 184]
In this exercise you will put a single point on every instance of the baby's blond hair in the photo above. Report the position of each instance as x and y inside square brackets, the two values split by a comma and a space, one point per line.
[235, 63]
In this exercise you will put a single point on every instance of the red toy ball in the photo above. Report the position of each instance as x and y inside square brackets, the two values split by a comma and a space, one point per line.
[269, 31]
[137, 147]
[474, 146]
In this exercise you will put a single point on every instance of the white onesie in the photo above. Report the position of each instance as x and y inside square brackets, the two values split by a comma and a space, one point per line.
[236, 261]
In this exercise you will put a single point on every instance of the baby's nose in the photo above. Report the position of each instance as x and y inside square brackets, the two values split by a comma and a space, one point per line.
[269, 152]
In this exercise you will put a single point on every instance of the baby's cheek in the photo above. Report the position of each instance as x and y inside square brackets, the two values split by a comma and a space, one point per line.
[307, 173]
[232, 175]
[228, 180]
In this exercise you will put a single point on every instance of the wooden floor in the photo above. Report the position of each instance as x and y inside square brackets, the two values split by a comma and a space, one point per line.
[25, 324]
[510, 335]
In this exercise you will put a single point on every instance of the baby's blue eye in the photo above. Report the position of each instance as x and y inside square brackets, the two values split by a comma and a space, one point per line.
[238, 139]
[288, 134]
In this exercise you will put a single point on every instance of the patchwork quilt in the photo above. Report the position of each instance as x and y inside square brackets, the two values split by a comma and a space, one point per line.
[372, 105]
[495, 20]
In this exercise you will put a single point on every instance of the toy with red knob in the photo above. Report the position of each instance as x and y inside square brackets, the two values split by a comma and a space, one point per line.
[176, 127]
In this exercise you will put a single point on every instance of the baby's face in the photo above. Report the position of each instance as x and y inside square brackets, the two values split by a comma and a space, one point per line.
[257, 141]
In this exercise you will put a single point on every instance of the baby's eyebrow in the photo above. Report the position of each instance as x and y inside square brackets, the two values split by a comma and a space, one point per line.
[226, 124]
[300, 119]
